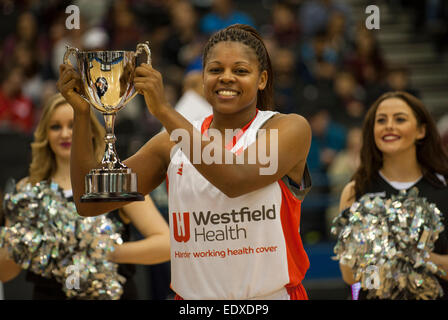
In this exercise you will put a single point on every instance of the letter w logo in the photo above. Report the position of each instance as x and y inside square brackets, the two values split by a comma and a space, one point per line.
[181, 226]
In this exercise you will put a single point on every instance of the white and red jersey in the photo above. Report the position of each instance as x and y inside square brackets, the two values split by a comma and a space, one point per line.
[248, 247]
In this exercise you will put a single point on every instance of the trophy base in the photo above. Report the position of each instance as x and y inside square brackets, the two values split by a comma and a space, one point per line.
[111, 185]
[112, 197]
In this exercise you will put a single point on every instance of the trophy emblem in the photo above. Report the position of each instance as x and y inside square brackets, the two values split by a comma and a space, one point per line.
[108, 85]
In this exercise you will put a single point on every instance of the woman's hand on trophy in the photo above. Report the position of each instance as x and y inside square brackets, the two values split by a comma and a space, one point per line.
[70, 86]
[148, 81]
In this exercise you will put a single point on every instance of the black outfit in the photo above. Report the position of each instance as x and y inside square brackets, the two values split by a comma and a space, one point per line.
[435, 193]
[50, 289]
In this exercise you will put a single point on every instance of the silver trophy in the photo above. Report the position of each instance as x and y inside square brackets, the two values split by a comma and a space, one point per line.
[108, 85]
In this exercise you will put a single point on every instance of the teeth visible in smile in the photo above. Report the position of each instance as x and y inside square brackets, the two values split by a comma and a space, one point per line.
[390, 137]
[227, 93]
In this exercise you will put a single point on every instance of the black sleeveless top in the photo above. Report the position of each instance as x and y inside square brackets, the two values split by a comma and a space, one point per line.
[50, 289]
[437, 194]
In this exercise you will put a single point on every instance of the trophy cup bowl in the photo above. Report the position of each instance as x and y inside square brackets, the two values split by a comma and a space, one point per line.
[108, 85]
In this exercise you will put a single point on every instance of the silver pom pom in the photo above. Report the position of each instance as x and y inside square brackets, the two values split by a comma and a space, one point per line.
[48, 237]
[387, 242]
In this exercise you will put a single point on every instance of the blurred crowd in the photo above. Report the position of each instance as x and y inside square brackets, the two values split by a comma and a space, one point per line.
[328, 68]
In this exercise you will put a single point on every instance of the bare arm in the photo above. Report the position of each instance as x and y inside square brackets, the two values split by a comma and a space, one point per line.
[347, 274]
[8, 268]
[347, 199]
[291, 139]
[155, 248]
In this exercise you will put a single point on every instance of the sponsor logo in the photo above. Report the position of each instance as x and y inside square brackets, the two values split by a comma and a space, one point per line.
[181, 226]
[232, 224]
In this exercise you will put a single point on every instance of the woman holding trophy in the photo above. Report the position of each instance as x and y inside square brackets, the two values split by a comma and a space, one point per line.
[65, 255]
[235, 222]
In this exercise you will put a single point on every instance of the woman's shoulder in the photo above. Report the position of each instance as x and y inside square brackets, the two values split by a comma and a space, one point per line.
[291, 120]
[347, 195]
[289, 117]
[349, 188]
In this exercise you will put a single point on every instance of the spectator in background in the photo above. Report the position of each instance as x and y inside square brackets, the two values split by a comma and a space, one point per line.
[153, 16]
[16, 110]
[286, 82]
[398, 79]
[348, 108]
[55, 33]
[317, 67]
[339, 36]
[315, 14]
[223, 14]
[328, 139]
[317, 59]
[366, 62]
[24, 57]
[341, 171]
[26, 34]
[192, 104]
[124, 31]
[285, 27]
[183, 45]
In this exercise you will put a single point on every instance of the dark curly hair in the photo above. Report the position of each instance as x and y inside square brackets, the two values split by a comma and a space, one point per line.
[251, 38]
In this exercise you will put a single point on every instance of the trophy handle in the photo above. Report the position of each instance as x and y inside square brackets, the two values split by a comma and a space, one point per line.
[68, 52]
[139, 50]
[144, 47]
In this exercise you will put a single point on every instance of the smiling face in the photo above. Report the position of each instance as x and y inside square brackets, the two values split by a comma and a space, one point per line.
[396, 128]
[59, 131]
[232, 77]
